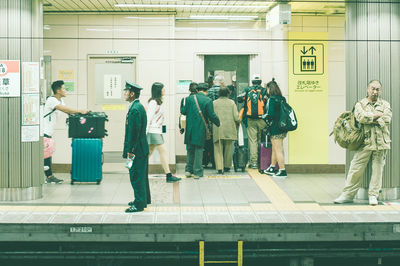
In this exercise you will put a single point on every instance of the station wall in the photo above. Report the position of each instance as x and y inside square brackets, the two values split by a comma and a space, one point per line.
[169, 50]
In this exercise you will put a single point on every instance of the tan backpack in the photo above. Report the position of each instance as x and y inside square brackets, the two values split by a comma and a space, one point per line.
[348, 133]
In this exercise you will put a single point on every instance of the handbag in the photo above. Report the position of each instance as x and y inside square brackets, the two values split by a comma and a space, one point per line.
[208, 133]
[49, 147]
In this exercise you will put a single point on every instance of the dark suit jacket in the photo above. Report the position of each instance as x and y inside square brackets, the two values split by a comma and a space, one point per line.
[195, 133]
[135, 131]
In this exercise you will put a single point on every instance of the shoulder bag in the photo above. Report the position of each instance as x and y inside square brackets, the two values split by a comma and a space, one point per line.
[208, 133]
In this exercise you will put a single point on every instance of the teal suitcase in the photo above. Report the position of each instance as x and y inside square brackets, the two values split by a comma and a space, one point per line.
[87, 160]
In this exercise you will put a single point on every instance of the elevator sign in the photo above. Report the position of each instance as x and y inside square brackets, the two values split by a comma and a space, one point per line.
[308, 59]
[10, 79]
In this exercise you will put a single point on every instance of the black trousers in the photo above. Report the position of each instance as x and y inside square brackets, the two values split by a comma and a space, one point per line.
[47, 162]
[139, 176]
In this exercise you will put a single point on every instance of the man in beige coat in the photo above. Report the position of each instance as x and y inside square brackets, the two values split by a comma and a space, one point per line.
[223, 136]
[375, 116]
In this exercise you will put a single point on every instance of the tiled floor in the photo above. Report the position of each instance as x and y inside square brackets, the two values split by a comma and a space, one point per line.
[232, 198]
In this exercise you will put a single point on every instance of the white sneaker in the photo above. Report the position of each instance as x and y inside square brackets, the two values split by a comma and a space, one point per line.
[373, 201]
[343, 199]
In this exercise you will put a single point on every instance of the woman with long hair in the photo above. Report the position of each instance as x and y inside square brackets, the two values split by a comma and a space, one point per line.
[276, 134]
[155, 120]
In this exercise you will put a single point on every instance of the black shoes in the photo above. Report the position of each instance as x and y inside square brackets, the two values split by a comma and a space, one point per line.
[220, 172]
[133, 208]
[172, 179]
[227, 169]
[253, 166]
[270, 171]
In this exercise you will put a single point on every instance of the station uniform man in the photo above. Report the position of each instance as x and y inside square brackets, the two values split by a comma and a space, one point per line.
[136, 147]
[375, 115]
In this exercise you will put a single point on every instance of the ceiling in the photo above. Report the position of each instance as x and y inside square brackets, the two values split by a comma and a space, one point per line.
[187, 8]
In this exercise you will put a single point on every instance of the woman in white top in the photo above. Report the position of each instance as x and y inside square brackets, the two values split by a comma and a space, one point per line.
[155, 119]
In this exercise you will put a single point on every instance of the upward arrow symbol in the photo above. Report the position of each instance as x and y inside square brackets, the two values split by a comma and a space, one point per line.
[312, 49]
[304, 51]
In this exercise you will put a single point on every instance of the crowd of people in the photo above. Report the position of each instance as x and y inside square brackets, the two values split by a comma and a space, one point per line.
[212, 119]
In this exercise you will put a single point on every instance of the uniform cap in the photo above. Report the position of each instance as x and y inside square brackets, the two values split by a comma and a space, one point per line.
[132, 86]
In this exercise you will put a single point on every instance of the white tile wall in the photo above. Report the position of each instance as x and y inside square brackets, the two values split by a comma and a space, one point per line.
[168, 61]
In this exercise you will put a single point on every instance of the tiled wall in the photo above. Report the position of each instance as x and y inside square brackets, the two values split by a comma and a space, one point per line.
[168, 51]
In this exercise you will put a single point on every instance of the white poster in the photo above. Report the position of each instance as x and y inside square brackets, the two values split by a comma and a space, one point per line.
[30, 77]
[29, 133]
[112, 87]
[183, 86]
[10, 79]
[30, 109]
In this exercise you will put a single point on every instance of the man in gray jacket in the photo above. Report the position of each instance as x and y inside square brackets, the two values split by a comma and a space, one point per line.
[375, 115]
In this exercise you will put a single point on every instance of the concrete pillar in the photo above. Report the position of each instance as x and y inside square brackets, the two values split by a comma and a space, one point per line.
[373, 52]
[21, 163]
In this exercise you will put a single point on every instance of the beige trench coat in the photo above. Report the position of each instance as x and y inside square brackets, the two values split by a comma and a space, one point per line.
[227, 112]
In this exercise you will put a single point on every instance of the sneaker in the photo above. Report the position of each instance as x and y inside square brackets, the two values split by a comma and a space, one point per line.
[226, 169]
[270, 171]
[373, 201]
[172, 179]
[253, 166]
[220, 172]
[343, 199]
[280, 174]
[188, 174]
[53, 180]
[197, 177]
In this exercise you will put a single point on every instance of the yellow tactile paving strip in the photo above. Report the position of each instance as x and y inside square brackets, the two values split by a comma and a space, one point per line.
[280, 201]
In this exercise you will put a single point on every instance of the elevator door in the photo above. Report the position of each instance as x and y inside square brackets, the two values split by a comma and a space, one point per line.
[107, 76]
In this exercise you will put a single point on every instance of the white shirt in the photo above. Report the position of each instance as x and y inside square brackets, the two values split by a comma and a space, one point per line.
[50, 121]
[155, 117]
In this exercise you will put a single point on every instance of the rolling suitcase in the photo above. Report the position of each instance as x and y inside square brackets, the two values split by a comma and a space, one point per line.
[240, 157]
[87, 160]
[240, 152]
[264, 155]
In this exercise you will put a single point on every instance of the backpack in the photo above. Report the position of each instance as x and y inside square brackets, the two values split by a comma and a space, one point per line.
[287, 117]
[347, 131]
[255, 103]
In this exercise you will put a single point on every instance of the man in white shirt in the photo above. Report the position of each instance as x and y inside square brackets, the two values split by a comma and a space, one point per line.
[52, 110]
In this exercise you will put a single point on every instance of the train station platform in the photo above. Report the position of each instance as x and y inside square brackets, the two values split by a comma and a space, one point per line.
[248, 207]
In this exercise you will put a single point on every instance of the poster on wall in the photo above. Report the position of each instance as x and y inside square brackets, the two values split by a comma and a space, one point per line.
[68, 77]
[30, 109]
[183, 86]
[10, 78]
[30, 77]
[112, 86]
[308, 83]
[29, 133]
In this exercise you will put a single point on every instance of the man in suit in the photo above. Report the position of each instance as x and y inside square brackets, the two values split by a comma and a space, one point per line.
[136, 148]
[195, 134]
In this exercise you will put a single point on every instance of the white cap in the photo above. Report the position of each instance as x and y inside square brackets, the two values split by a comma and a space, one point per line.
[256, 77]
[234, 78]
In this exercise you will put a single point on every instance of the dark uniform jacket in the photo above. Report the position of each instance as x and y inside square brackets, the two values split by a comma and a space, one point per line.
[195, 133]
[135, 131]
[273, 113]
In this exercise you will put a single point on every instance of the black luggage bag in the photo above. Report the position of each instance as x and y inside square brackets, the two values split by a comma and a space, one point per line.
[90, 125]
[240, 157]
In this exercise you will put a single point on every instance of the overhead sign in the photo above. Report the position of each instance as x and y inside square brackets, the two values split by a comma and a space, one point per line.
[308, 59]
[10, 78]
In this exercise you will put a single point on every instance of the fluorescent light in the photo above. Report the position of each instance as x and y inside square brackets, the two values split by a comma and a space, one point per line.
[190, 6]
[224, 17]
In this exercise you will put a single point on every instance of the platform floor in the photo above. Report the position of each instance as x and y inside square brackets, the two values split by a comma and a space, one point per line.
[232, 198]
